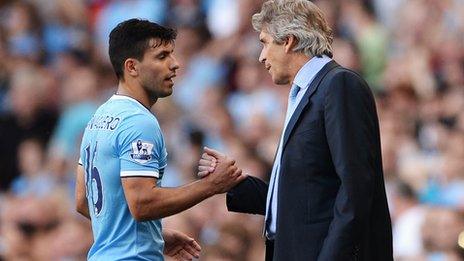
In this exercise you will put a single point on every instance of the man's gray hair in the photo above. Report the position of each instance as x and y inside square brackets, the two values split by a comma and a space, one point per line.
[300, 18]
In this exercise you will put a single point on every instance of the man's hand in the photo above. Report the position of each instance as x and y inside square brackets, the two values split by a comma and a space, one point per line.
[206, 165]
[225, 174]
[180, 246]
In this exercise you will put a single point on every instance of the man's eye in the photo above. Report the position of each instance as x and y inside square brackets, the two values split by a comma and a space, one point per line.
[161, 56]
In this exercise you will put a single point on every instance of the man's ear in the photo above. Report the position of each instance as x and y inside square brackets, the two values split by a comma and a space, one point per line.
[290, 43]
[131, 67]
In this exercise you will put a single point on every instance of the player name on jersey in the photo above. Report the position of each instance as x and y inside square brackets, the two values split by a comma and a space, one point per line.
[105, 122]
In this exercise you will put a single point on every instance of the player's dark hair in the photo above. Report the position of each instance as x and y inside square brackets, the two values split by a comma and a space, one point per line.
[131, 38]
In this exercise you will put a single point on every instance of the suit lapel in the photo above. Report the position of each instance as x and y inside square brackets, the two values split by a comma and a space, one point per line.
[305, 100]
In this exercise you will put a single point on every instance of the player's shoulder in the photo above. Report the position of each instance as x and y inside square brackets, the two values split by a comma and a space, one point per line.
[132, 113]
[129, 108]
[124, 103]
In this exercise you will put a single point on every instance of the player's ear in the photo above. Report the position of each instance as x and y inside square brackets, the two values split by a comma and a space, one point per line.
[131, 67]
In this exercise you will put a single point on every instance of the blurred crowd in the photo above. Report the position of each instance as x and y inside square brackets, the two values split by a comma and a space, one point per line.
[55, 71]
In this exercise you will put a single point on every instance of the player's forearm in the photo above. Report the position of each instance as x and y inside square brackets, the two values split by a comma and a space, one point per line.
[83, 209]
[162, 202]
[81, 204]
[81, 199]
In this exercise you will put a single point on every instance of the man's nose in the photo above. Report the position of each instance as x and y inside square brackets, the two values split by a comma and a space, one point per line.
[175, 64]
[262, 58]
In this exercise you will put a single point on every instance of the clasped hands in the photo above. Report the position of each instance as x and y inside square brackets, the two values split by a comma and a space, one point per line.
[220, 169]
[221, 174]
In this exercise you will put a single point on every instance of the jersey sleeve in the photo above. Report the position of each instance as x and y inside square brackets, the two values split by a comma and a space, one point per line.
[139, 142]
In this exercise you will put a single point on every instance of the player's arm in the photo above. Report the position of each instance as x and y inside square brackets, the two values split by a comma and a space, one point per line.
[147, 201]
[81, 199]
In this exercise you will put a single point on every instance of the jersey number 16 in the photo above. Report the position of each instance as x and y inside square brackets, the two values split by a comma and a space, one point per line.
[93, 182]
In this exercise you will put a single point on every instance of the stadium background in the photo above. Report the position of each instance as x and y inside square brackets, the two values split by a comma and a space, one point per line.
[54, 72]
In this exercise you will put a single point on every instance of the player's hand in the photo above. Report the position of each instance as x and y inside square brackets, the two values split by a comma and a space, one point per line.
[206, 165]
[180, 246]
[225, 175]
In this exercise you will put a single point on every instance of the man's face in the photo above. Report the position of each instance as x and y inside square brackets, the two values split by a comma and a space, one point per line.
[157, 70]
[275, 59]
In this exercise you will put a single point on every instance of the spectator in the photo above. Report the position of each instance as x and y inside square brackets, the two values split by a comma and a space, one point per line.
[408, 218]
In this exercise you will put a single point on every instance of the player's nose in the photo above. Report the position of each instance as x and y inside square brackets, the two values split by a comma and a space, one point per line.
[175, 64]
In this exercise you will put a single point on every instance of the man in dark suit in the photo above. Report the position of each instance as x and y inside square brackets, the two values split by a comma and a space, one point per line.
[326, 196]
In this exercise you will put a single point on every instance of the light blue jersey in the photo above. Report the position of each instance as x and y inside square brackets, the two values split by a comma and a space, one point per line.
[123, 139]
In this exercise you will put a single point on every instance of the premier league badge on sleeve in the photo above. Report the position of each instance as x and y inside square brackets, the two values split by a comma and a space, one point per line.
[141, 151]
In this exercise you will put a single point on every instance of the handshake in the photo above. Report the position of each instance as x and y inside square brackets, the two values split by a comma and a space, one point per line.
[219, 171]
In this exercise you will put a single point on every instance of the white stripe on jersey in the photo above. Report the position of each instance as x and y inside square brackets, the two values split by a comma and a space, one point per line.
[140, 173]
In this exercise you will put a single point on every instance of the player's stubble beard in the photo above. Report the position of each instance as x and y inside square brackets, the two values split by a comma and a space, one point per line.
[156, 91]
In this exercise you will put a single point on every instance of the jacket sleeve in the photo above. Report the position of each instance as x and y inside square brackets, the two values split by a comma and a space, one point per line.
[249, 196]
[352, 134]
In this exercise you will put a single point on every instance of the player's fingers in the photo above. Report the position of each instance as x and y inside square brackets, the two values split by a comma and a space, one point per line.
[208, 157]
[205, 168]
[208, 163]
[177, 257]
[192, 249]
[203, 174]
[213, 153]
[173, 251]
[195, 244]
[185, 255]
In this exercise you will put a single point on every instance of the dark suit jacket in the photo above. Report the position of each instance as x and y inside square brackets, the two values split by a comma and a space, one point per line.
[331, 201]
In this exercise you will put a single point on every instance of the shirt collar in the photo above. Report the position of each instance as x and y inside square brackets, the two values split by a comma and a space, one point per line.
[118, 96]
[309, 70]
